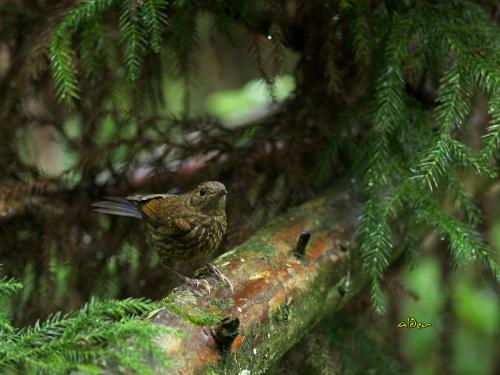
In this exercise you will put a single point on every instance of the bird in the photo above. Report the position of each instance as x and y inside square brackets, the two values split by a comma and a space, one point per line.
[179, 226]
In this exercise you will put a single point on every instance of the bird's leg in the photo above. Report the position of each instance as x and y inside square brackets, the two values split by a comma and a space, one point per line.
[217, 273]
[202, 283]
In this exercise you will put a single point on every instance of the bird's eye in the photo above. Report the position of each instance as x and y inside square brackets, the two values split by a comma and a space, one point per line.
[203, 192]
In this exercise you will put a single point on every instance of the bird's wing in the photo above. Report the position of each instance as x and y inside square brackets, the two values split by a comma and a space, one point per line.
[146, 197]
[161, 211]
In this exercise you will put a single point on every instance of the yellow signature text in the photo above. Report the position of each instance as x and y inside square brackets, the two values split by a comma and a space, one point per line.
[412, 323]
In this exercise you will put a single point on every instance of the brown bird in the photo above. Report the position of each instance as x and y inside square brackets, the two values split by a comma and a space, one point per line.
[184, 226]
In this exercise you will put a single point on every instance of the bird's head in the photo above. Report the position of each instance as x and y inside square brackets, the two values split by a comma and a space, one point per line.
[209, 196]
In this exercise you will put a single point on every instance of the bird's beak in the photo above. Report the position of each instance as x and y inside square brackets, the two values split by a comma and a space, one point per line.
[219, 194]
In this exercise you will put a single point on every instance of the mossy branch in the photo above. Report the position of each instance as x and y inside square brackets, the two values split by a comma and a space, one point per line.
[279, 294]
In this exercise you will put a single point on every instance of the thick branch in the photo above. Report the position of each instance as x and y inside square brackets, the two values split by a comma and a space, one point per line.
[283, 285]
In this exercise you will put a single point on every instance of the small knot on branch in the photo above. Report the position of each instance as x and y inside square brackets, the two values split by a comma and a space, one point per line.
[300, 249]
[225, 332]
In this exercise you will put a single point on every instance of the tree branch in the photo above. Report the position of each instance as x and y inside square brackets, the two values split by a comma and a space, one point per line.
[283, 285]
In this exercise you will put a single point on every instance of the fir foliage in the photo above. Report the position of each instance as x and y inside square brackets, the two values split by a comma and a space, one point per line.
[491, 140]
[61, 54]
[133, 38]
[393, 184]
[97, 336]
[8, 286]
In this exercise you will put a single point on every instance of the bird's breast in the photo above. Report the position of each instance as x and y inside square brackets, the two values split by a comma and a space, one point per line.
[201, 241]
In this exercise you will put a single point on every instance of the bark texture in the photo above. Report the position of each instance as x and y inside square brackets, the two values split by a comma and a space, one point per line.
[281, 290]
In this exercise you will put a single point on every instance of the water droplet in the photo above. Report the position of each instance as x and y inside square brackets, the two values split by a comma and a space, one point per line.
[269, 37]
[442, 238]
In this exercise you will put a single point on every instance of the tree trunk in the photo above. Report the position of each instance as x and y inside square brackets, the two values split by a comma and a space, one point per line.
[281, 290]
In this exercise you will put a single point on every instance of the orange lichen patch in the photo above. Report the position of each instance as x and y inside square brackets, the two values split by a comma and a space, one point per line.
[250, 289]
[315, 250]
[291, 233]
[238, 341]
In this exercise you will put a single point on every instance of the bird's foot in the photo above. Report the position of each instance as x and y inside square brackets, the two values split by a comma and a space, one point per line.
[198, 283]
[217, 273]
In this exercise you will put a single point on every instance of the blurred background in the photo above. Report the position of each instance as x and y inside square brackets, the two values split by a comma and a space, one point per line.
[205, 120]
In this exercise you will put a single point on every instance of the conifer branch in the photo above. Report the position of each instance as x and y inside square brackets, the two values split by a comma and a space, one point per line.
[154, 17]
[491, 140]
[133, 38]
[466, 244]
[8, 286]
[96, 336]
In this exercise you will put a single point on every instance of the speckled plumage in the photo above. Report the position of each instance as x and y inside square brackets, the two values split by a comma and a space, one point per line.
[184, 226]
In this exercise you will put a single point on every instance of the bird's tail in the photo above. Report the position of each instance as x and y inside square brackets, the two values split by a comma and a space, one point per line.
[117, 206]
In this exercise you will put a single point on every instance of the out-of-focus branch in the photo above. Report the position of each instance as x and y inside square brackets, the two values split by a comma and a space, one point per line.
[284, 283]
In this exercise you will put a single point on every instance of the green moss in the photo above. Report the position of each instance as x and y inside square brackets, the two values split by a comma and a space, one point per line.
[222, 303]
[183, 303]
[259, 248]
[206, 319]
[196, 315]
